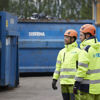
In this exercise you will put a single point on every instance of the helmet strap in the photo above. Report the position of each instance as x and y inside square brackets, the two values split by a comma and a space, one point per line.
[95, 40]
[70, 40]
[85, 36]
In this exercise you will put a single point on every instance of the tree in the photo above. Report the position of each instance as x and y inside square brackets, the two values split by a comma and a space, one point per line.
[86, 9]
[4, 5]
[65, 9]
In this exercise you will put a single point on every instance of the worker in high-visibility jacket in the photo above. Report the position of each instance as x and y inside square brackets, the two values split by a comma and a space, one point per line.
[87, 35]
[88, 73]
[66, 65]
[88, 31]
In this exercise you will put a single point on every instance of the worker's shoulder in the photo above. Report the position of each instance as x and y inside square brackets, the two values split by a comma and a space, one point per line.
[62, 50]
[93, 48]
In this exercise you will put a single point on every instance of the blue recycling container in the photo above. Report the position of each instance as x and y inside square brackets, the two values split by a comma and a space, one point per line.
[9, 73]
[98, 32]
[40, 42]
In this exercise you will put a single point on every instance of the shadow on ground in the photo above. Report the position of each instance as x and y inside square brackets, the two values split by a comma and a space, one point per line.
[35, 74]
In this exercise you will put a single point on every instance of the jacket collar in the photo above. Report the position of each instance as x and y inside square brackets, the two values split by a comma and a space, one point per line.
[88, 41]
[71, 46]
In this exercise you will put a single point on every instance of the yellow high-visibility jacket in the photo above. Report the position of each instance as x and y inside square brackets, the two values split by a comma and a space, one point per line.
[66, 64]
[88, 73]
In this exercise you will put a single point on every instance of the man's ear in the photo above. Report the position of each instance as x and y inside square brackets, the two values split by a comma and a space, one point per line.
[87, 36]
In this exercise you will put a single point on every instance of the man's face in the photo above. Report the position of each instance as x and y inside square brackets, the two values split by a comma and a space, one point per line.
[82, 37]
[67, 40]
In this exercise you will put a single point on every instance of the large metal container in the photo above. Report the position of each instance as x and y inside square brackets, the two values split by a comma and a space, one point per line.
[9, 75]
[98, 32]
[40, 42]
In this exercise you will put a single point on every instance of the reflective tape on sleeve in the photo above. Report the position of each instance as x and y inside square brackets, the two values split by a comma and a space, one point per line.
[58, 62]
[90, 81]
[57, 72]
[93, 71]
[78, 79]
[82, 64]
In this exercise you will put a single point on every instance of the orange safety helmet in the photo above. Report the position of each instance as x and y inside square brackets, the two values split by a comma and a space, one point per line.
[88, 28]
[71, 33]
